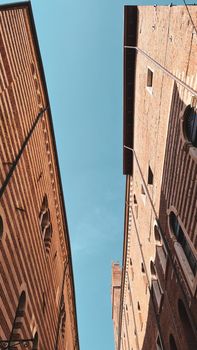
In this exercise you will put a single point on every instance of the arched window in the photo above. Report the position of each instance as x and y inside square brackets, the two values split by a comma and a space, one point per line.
[190, 125]
[63, 318]
[158, 343]
[45, 223]
[181, 239]
[186, 325]
[35, 342]
[172, 343]
[19, 317]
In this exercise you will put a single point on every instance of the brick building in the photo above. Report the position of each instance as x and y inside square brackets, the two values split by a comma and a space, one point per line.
[158, 298]
[37, 297]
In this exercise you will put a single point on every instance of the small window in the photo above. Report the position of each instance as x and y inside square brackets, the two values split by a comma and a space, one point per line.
[63, 318]
[138, 306]
[142, 268]
[143, 190]
[19, 316]
[172, 343]
[1, 227]
[135, 206]
[35, 342]
[150, 176]
[158, 343]
[149, 78]
[190, 125]
[45, 223]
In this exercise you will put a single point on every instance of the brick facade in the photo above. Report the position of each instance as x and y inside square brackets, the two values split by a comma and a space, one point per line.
[158, 303]
[37, 289]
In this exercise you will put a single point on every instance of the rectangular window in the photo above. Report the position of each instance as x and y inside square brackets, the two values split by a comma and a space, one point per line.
[149, 78]
[149, 83]
[150, 176]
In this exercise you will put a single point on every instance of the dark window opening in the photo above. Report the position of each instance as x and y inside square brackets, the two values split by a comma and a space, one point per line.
[142, 267]
[149, 78]
[172, 343]
[180, 236]
[134, 199]
[45, 223]
[150, 176]
[158, 343]
[190, 125]
[19, 317]
[35, 342]
[63, 318]
[1, 227]
[143, 190]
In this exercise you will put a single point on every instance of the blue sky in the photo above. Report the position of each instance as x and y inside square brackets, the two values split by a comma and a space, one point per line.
[81, 47]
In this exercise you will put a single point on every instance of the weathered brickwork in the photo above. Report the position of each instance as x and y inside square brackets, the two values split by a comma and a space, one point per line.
[158, 304]
[37, 288]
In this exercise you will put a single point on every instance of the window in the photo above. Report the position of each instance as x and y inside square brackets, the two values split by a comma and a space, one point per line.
[1, 227]
[172, 343]
[135, 205]
[190, 125]
[132, 272]
[150, 176]
[63, 317]
[149, 84]
[45, 223]
[35, 342]
[181, 239]
[19, 317]
[158, 343]
[143, 190]
[142, 268]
